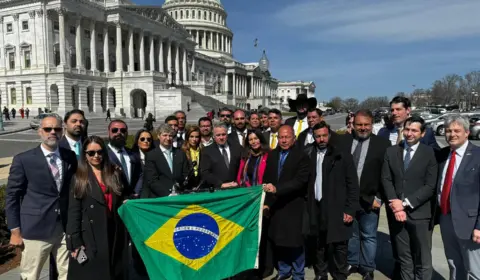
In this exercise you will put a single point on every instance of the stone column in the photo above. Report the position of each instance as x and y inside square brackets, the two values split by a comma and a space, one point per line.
[223, 43]
[131, 54]
[106, 55]
[93, 46]
[193, 70]
[119, 55]
[204, 39]
[218, 42]
[152, 56]
[211, 40]
[160, 55]
[78, 44]
[184, 67]
[197, 38]
[169, 60]
[233, 85]
[142, 51]
[177, 64]
[61, 35]
[225, 81]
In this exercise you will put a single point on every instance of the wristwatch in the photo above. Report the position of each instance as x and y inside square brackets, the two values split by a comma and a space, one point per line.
[404, 204]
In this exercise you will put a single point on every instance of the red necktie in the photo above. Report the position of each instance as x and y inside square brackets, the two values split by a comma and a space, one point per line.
[447, 185]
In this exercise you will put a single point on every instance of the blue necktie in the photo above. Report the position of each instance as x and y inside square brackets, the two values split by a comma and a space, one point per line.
[77, 149]
[283, 156]
[406, 160]
[169, 159]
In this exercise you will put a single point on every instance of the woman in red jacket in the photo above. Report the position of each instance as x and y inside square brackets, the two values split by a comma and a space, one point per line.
[254, 160]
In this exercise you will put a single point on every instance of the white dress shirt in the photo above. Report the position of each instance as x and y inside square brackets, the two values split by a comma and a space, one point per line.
[412, 152]
[227, 148]
[309, 139]
[72, 143]
[126, 157]
[167, 152]
[297, 123]
[319, 178]
[459, 155]
[240, 137]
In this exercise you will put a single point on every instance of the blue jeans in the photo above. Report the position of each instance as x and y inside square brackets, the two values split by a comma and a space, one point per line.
[362, 247]
[291, 261]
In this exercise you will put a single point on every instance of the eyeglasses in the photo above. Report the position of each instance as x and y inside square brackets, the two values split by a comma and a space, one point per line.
[145, 139]
[93, 153]
[122, 130]
[49, 129]
[225, 116]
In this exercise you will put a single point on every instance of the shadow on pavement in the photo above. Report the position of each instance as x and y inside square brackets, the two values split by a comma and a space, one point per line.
[384, 259]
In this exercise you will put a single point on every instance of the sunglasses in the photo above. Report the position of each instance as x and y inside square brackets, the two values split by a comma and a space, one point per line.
[49, 129]
[145, 139]
[93, 153]
[225, 116]
[122, 130]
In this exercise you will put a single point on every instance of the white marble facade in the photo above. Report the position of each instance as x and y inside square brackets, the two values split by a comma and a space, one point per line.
[98, 55]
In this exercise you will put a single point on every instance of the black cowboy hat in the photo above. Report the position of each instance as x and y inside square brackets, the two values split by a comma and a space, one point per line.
[301, 99]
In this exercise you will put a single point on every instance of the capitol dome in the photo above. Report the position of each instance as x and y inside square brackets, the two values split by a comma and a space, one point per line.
[206, 21]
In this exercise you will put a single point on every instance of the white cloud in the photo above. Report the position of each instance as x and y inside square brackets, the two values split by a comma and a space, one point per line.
[388, 21]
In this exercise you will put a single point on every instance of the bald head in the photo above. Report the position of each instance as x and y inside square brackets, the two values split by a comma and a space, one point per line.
[286, 137]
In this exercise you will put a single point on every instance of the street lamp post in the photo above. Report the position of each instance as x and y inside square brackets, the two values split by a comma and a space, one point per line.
[263, 64]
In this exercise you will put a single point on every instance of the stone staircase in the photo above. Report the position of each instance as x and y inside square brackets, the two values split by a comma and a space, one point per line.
[202, 104]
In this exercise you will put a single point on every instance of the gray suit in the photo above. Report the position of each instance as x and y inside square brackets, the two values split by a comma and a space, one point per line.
[416, 185]
[463, 255]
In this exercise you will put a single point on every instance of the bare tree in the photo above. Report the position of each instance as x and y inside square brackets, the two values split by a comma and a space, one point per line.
[336, 103]
[421, 97]
[374, 102]
[350, 104]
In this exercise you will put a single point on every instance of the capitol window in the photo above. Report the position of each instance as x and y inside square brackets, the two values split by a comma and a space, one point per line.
[26, 54]
[13, 96]
[29, 95]
[87, 33]
[11, 59]
[72, 30]
[56, 26]
[25, 25]
[9, 27]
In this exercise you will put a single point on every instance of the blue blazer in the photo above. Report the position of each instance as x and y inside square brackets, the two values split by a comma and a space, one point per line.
[428, 139]
[136, 173]
[465, 191]
[32, 201]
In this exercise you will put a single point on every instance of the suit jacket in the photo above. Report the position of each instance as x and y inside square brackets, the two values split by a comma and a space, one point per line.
[417, 183]
[158, 179]
[465, 191]
[88, 225]
[33, 202]
[63, 143]
[136, 173]
[291, 121]
[339, 192]
[233, 137]
[370, 179]
[213, 170]
[287, 205]
[334, 138]
[428, 139]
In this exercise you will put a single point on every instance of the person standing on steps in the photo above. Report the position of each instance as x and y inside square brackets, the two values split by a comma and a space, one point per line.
[109, 117]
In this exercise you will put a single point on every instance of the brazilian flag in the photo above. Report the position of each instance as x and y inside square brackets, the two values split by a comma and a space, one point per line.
[197, 236]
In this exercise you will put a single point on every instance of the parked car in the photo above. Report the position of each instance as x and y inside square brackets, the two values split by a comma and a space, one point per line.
[35, 122]
[475, 127]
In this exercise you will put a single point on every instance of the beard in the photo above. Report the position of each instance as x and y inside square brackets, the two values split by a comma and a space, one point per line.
[302, 115]
[322, 146]
[118, 141]
[51, 143]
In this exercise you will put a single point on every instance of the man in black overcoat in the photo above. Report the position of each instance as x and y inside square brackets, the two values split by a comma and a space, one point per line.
[286, 179]
[333, 196]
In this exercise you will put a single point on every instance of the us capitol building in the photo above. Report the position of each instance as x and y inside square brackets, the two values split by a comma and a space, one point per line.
[132, 59]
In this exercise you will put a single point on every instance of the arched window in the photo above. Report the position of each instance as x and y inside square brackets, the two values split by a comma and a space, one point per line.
[176, 14]
[199, 15]
[29, 95]
[193, 13]
[187, 13]
[13, 96]
[181, 14]
[210, 16]
[205, 15]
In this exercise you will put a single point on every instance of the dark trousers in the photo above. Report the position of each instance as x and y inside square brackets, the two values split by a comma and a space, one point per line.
[412, 248]
[362, 247]
[339, 268]
[266, 262]
[291, 261]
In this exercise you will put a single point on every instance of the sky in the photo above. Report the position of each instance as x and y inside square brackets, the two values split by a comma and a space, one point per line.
[357, 48]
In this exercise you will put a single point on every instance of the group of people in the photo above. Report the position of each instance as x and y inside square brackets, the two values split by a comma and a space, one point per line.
[13, 112]
[323, 190]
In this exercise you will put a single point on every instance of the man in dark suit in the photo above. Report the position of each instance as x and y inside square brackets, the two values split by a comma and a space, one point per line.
[121, 156]
[274, 122]
[368, 151]
[165, 167]
[458, 192]
[400, 108]
[332, 202]
[74, 122]
[172, 121]
[409, 175]
[219, 162]
[239, 129]
[301, 105]
[314, 116]
[37, 201]
[182, 121]
[286, 178]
